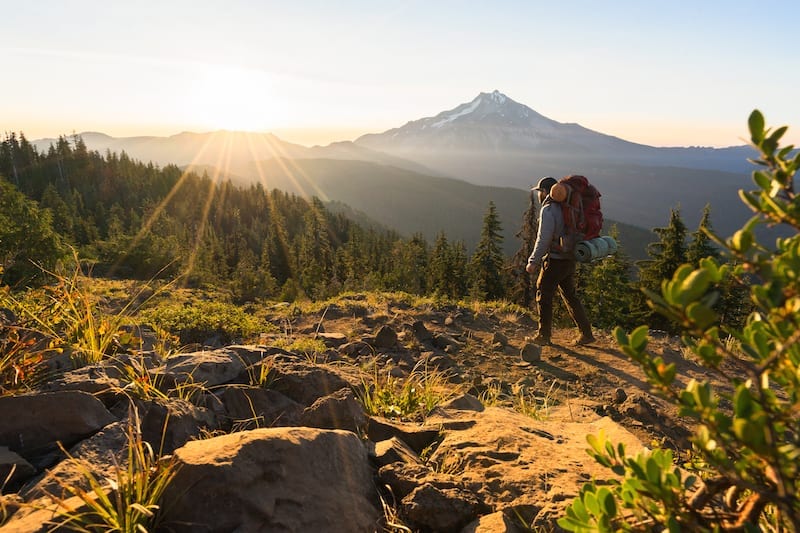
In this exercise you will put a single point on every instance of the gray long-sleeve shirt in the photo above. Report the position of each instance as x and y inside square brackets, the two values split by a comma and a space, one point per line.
[551, 228]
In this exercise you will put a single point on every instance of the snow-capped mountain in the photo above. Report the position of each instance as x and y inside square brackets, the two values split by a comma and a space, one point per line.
[493, 122]
[493, 140]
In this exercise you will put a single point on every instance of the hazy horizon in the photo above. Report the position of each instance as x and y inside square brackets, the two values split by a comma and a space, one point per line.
[681, 74]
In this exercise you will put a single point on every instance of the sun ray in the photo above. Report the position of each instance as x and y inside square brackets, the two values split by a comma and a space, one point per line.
[213, 185]
[161, 206]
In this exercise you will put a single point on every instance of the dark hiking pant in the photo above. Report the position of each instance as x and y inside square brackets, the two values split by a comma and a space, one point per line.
[559, 274]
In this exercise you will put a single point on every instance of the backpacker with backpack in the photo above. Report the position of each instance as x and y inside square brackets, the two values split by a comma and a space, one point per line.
[583, 218]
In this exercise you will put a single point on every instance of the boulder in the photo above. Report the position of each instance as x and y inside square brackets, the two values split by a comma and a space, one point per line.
[208, 368]
[386, 338]
[356, 349]
[498, 522]
[464, 402]
[421, 333]
[340, 410]
[13, 467]
[169, 424]
[432, 508]
[402, 478]
[394, 450]
[33, 423]
[257, 407]
[93, 379]
[416, 436]
[274, 479]
[304, 382]
[531, 353]
[332, 340]
[100, 453]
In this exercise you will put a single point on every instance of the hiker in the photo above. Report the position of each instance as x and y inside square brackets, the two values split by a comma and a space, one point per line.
[556, 270]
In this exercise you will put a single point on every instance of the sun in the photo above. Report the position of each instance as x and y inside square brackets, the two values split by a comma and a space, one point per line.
[232, 98]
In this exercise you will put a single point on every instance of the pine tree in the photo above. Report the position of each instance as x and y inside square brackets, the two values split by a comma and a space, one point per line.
[608, 289]
[447, 268]
[28, 243]
[523, 289]
[487, 262]
[666, 256]
[701, 246]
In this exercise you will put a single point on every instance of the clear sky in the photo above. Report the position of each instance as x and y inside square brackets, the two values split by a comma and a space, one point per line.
[675, 73]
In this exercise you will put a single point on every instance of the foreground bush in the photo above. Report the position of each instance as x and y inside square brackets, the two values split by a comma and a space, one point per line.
[747, 455]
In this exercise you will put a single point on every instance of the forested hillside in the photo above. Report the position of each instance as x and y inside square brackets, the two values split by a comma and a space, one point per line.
[127, 219]
[130, 219]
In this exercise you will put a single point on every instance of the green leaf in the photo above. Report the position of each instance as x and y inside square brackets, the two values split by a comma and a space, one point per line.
[638, 339]
[743, 402]
[742, 240]
[608, 505]
[653, 471]
[694, 286]
[590, 501]
[762, 179]
[597, 442]
[777, 134]
[756, 125]
[701, 315]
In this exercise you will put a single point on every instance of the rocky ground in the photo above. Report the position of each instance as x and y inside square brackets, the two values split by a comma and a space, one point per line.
[488, 352]
[504, 452]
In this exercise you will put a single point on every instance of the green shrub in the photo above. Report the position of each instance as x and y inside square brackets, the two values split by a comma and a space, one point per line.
[198, 321]
[747, 455]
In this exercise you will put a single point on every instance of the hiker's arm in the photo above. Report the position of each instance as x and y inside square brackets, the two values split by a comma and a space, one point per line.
[547, 227]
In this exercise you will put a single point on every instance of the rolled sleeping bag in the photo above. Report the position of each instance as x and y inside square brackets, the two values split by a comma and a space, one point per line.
[597, 248]
[602, 247]
[612, 244]
[585, 251]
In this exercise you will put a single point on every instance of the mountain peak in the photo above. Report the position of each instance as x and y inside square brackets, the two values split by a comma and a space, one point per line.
[494, 107]
[495, 96]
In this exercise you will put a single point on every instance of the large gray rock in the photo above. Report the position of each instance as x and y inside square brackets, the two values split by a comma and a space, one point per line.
[13, 467]
[98, 380]
[498, 522]
[416, 436]
[255, 407]
[432, 508]
[100, 454]
[340, 410]
[305, 383]
[386, 337]
[209, 368]
[32, 423]
[274, 479]
[169, 424]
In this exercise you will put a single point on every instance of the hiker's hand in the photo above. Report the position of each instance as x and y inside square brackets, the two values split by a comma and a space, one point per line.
[531, 268]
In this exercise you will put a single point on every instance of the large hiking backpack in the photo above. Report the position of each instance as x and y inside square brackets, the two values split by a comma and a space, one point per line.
[580, 205]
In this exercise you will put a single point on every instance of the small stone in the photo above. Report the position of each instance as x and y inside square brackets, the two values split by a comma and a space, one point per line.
[620, 395]
[531, 353]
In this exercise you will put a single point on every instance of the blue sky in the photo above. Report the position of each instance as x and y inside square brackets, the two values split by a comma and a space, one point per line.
[664, 73]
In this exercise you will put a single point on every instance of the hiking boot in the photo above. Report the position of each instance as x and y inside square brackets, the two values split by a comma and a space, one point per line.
[584, 340]
[541, 340]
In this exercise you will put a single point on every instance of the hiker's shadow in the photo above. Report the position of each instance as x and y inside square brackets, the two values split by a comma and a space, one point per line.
[609, 368]
[554, 370]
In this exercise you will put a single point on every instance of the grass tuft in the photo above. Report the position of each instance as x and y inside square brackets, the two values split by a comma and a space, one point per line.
[130, 501]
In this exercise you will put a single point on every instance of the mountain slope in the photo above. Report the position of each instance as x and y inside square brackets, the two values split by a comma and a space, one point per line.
[232, 151]
[494, 140]
[410, 202]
